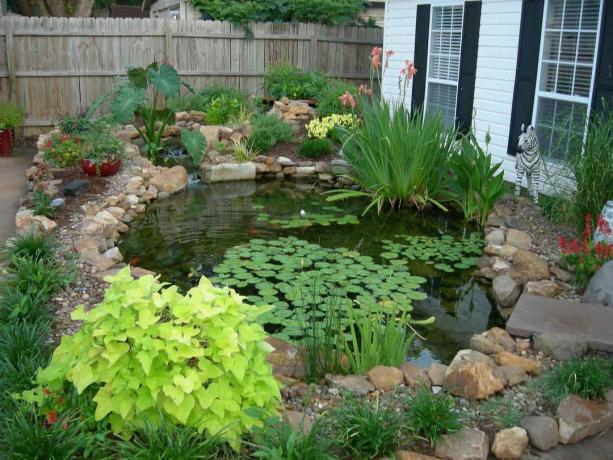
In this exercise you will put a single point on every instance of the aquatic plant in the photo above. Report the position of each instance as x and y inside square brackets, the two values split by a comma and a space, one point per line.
[444, 252]
[309, 219]
[298, 278]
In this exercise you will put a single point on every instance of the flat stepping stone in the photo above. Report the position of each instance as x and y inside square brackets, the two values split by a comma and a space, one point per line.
[536, 315]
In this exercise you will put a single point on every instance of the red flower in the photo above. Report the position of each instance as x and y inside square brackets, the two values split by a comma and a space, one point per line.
[51, 416]
[46, 391]
[347, 100]
[603, 226]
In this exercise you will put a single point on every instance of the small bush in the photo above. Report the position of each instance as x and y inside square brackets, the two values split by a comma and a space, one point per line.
[279, 441]
[31, 245]
[222, 109]
[75, 125]
[329, 101]
[589, 378]
[35, 275]
[62, 150]
[29, 305]
[315, 148]
[364, 429]
[320, 128]
[41, 204]
[286, 80]
[267, 131]
[432, 416]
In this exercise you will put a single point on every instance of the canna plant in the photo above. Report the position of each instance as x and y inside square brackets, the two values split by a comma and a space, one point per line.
[196, 359]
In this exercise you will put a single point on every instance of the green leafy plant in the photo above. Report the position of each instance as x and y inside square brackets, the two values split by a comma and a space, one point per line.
[329, 100]
[194, 143]
[589, 378]
[364, 429]
[398, 157]
[477, 183]
[267, 131]
[196, 358]
[11, 115]
[315, 148]
[29, 305]
[277, 440]
[82, 124]
[101, 145]
[222, 109]
[242, 151]
[166, 441]
[286, 80]
[432, 416]
[41, 204]
[332, 215]
[35, 275]
[62, 150]
[31, 245]
[379, 338]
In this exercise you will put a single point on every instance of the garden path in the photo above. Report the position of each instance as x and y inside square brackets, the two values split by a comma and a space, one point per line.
[13, 186]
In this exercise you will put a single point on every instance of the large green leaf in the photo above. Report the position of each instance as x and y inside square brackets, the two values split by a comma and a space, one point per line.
[138, 77]
[195, 143]
[166, 80]
[126, 102]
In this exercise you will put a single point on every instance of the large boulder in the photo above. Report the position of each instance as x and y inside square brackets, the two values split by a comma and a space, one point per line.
[510, 443]
[228, 172]
[506, 290]
[466, 444]
[519, 239]
[542, 431]
[579, 419]
[170, 180]
[471, 375]
[385, 378]
[530, 266]
[495, 238]
[561, 346]
[600, 288]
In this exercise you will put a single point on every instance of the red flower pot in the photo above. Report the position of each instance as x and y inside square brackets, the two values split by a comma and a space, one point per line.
[7, 137]
[106, 168]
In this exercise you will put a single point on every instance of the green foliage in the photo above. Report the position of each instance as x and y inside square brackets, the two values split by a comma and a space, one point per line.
[243, 152]
[28, 305]
[75, 125]
[195, 358]
[432, 416]
[31, 245]
[332, 215]
[589, 378]
[194, 143]
[41, 204]
[267, 131]
[329, 100]
[330, 12]
[63, 151]
[166, 441]
[365, 430]
[101, 145]
[380, 338]
[35, 275]
[444, 252]
[26, 435]
[222, 109]
[502, 412]
[286, 80]
[11, 115]
[476, 184]
[297, 278]
[145, 94]
[315, 148]
[398, 157]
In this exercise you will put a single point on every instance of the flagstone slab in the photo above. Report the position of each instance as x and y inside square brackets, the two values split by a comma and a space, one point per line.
[536, 315]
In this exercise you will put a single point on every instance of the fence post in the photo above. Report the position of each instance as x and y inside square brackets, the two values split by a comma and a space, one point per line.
[10, 63]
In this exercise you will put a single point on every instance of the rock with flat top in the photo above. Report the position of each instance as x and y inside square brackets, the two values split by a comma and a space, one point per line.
[579, 419]
[504, 358]
[544, 288]
[358, 385]
[385, 378]
[560, 346]
[466, 444]
[409, 455]
[170, 180]
[229, 172]
[530, 266]
[519, 239]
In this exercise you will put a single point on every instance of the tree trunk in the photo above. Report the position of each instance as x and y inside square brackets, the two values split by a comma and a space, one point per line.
[83, 8]
[24, 8]
[56, 7]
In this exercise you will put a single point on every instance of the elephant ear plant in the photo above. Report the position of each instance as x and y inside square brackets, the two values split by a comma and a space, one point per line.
[144, 95]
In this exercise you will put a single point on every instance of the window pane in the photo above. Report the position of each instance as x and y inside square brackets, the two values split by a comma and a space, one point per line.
[589, 18]
[557, 123]
[587, 43]
[551, 48]
[442, 99]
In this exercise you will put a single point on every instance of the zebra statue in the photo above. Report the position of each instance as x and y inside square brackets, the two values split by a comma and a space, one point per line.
[528, 162]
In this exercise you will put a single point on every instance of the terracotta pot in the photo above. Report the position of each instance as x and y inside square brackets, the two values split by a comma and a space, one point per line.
[7, 137]
[106, 168]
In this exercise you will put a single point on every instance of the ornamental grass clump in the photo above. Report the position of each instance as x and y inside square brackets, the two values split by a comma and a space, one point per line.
[198, 359]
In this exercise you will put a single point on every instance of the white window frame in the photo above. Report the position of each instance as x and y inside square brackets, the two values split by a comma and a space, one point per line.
[438, 80]
[565, 97]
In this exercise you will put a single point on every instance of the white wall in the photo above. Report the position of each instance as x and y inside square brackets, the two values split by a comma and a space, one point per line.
[496, 64]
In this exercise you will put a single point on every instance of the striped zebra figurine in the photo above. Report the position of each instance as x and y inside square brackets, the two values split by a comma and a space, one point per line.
[528, 162]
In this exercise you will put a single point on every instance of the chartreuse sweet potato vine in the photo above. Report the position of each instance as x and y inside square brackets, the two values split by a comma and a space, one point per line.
[198, 359]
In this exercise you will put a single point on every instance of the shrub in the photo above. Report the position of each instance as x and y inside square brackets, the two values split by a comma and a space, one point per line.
[75, 125]
[364, 429]
[329, 101]
[267, 131]
[32, 245]
[589, 378]
[286, 80]
[62, 150]
[320, 128]
[315, 148]
[242, 151]
[101, 145]
[35, 275]
[195, 358]
[41, 204]
[476, 184]
[398, 157]
[279, 441]
[432, 416]
[221, 110]
[11, 115]
[28, 305]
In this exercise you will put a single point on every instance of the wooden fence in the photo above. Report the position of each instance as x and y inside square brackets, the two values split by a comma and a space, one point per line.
[58, 66]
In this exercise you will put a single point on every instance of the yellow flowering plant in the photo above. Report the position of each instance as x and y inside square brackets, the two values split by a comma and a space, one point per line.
[320, 128]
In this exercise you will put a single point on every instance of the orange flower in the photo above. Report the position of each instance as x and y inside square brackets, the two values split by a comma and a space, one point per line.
[409, 70]
[347, 100]
[51, 416]
[364, 89]
[375, 57]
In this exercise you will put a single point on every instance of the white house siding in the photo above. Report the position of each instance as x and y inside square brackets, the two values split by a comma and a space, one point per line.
[496, 65]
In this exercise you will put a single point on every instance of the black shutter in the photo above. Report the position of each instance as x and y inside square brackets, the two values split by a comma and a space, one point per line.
[603, 82]
[527, 67]
[468, 66]
[420, 57]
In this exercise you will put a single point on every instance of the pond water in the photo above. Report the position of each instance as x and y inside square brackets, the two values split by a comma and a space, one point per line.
[193, 233]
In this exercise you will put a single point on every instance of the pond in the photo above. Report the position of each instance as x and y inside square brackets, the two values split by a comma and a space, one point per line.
[261, 239]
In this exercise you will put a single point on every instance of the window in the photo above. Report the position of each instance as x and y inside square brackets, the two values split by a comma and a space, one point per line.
[566, 67]
[444, 61]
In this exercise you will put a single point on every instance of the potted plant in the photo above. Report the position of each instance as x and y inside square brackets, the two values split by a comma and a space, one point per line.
[11, 116]
[102, 153]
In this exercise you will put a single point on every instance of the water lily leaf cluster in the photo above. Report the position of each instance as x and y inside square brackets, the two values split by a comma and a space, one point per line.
[302, 280]
[444, 252]
[198, 359]
[309, 219]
